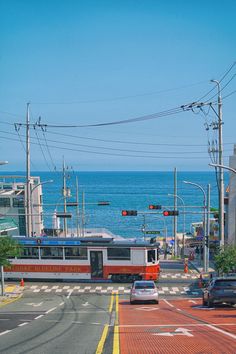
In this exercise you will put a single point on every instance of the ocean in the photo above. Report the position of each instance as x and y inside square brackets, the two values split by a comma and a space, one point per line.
[129, 191]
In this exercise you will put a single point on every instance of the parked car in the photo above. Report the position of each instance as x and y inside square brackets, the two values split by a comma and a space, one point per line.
[144, 290]
[220, 290]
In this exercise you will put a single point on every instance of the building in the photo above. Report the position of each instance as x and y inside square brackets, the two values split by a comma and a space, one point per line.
[13, 203]
[231, 217]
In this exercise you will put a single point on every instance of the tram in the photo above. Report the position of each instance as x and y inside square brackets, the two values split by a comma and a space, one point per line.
[84, 258]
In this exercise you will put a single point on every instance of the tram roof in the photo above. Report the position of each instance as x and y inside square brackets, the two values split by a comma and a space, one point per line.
[82, 241]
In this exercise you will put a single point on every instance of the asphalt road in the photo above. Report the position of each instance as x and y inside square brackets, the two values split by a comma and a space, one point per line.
[41, 323]
[76, 318]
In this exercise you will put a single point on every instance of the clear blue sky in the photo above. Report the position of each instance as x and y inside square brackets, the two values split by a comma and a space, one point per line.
[84, 62]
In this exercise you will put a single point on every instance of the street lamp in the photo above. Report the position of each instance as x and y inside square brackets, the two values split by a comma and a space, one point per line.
[204, 222]
[182, 201]
[31, 204]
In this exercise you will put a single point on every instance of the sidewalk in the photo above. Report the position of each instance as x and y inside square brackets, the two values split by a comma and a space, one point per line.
[11, 292]
[199, 268]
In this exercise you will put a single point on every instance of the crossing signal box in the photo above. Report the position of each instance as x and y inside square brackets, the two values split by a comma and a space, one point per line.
[154, 207]
[170, 212]
[129, 212]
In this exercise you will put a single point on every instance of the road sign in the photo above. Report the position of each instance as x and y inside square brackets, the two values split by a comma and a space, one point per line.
[152, 232]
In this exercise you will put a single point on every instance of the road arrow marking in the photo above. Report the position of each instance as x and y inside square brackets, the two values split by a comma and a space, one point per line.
[177, 332]
[85, 304]
[147, 308]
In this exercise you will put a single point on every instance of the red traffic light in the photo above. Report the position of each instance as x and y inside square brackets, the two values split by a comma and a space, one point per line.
[154, 206]
[170, 212]
[129, 212]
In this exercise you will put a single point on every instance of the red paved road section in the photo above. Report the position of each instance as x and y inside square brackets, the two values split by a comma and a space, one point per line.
[176, 327]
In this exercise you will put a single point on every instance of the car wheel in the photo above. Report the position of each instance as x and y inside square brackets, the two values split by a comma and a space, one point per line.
[209, 303]
[131, 302]
[157, 302]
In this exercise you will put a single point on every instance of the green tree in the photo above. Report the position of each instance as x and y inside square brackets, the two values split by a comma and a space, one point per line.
[225, 260]
[8, 248]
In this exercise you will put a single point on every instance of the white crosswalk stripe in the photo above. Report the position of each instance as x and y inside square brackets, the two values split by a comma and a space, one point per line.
[109, 289]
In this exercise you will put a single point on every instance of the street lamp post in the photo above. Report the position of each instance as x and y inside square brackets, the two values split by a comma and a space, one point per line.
[182, 201]
[205, 254]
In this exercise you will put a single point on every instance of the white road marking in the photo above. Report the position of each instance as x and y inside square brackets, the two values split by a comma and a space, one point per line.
[110, 287]
[23, 324]
[52, 309]
[44, 287]
[77, 287]
[168, 303]
[165, 288]
[55, 287]
[177, 332]
[87, 288]
[36, 318]
[98, 288]
[121, 288]
[5, 332]
[85, 304]
[34, 304]
[66, 287]
[172, 292]
[47, 290]
[192, 301]
[175, 289]
[69, 294]
[147, 308]
[222, 331]
[62, 303]
[36, 291]
[178, 309]
[58, 290]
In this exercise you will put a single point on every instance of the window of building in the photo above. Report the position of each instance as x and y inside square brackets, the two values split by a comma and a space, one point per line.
[51, 252]
[118, 253]
[76, 253]
[151, 255]
[29, 252]
[5, 202]
[18, 202]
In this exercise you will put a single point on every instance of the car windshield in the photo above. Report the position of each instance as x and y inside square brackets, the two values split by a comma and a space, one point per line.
[225, 283]
[144, 286]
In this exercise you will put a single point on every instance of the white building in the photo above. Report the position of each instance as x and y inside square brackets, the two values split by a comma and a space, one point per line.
[232, 201]
[13, 203]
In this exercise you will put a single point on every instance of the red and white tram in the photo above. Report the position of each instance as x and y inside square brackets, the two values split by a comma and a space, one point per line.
[84, 259]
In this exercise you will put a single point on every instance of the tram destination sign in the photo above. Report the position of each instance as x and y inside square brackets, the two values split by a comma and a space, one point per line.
[152, 232]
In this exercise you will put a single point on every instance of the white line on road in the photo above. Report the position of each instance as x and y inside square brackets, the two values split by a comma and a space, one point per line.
[69, 294]
[52, 309]
[36, 318]
[5, 332]
[222, 331]
[168, 303]
[62, 303]
[23, 324]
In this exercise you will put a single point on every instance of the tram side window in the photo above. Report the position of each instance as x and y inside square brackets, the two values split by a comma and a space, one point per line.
[51, 252]
[118, 253]
[29, 252]
[76, 253]
[151, 256]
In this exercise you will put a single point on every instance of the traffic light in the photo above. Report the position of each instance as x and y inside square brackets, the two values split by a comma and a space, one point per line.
[170, 212]
[129, 213]
[154, 206]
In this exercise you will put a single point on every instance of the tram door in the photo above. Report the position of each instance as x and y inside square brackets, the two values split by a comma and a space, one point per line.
[96, 262]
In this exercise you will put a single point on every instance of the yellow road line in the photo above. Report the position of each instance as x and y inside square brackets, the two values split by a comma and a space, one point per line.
[9, 301]
[102, 340]
[116, 339]
[111, 303]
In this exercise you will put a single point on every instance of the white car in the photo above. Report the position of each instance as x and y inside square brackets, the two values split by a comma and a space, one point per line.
[144, 290]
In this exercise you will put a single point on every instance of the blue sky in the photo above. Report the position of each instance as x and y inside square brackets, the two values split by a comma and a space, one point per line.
[87, 62]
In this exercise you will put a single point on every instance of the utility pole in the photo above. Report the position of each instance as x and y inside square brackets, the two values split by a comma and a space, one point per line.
[77, 207]
[221, 173]
[207, 241]
[175, 217]
[83, 213]
[64, 196]
[28, 187]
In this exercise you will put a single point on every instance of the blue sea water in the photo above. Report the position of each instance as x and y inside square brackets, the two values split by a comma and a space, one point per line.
[129, 191]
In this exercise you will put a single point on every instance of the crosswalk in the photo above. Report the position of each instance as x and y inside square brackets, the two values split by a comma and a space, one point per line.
[178, 276]
[59, 289]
